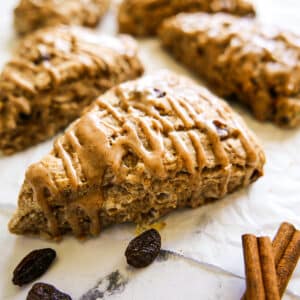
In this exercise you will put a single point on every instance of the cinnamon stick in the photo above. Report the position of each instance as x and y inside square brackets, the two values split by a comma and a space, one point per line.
[268, 269]
[288, 262]
[286, 251]
[282, 240]
[254, 279]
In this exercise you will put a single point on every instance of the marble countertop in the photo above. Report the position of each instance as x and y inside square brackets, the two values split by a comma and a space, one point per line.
[203, 255]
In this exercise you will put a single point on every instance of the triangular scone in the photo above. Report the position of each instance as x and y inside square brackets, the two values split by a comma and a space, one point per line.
[31, 15]
[55, 73]
[242, 59]
[143, 17]
[143, 149]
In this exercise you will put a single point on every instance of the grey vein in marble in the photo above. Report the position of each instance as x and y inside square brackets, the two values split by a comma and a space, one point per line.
[113, 283]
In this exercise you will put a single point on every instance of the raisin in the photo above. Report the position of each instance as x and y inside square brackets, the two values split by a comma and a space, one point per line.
[143, 250]
[42, 58]
[255, 175]
[273, 92]
[200, 51]
[32, 266]
[24, 117]
[43, 291]
[222, 130]
[284, 121]
[159, 93]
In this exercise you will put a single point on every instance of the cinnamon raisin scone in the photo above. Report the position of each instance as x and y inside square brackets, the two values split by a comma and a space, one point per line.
[53, 76]
[31, 15]
[242, 59]
[143, 17]
[144, 148]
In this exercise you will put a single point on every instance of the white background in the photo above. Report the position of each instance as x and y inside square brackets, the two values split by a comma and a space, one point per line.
[210, 235]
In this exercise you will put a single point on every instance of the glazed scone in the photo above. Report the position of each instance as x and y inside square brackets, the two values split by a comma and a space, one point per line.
[31, 15]
[55, 74]
[143, 149]
[143, 17]
[241, 59]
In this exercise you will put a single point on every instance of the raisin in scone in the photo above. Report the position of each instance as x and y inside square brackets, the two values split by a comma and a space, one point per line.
[242, 59]
[55, 74]
[143, 17]
[143, 149]
[31, 15]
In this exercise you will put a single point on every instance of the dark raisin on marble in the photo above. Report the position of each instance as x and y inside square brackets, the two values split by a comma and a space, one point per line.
[143, 249]
[33, 265]
[43, 291]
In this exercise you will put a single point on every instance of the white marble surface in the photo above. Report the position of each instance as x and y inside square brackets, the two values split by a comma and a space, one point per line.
[209, 235]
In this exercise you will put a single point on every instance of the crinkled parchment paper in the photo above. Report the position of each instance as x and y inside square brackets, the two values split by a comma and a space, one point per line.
[210, 236]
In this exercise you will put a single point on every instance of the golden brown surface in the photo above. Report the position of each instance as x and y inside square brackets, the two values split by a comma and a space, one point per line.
[242, 59]
[141, 150]
[54, 75]
[31, 15]
[143, 17]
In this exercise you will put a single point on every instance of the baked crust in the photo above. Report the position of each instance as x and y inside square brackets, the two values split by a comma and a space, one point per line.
[242, 59]
[55, 74]
[31, 15]
[143, 17]
[144, 148]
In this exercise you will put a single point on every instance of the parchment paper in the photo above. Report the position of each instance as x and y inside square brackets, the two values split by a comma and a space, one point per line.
[210, 236]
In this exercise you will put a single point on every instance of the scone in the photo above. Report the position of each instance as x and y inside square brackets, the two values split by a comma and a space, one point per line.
[143, 17]
[241, 59]
[53, 76]
[141, 150]
[31, 15]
